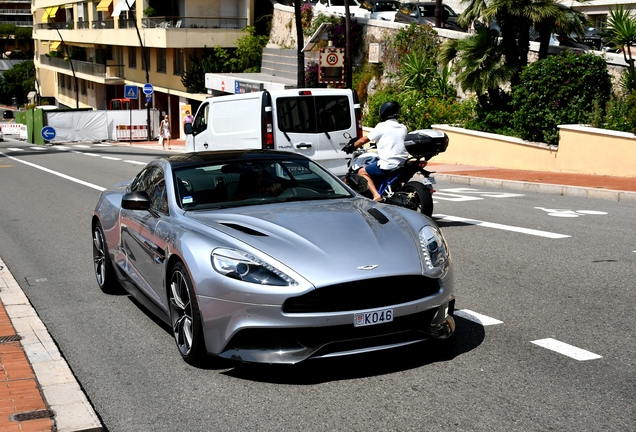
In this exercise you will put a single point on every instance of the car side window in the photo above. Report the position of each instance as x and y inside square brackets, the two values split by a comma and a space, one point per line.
[152, 181]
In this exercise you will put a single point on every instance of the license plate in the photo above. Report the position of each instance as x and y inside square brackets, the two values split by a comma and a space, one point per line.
[380, 316]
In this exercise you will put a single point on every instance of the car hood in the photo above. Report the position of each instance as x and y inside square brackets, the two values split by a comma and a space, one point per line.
[325, 241]
[383, 16]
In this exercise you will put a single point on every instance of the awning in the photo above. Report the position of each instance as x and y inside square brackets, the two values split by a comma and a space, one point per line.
[122, 6]
[103, 5]
[53, 11]
[53, 46]
[45, 17]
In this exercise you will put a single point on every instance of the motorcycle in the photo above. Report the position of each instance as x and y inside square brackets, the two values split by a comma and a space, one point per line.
[410, 185]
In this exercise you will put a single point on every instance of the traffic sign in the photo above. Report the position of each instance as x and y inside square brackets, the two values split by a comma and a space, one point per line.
[148, 99]
[48, 133]
[148, 89]
[131, 91]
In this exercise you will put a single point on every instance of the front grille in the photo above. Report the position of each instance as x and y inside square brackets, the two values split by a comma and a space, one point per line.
[363, 294]
[412, 327]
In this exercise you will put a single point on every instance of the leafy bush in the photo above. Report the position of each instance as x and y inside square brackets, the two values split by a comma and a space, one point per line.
[419, 112]
[362, 77]
[311, 75]
[558, 90]
[493, 114]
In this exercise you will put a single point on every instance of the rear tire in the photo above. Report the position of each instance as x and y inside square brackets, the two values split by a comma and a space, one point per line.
[185, 317]
[102, 265]
[423, 197]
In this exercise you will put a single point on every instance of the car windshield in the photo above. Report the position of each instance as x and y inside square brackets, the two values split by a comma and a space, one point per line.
[249, 182]
[386, 6]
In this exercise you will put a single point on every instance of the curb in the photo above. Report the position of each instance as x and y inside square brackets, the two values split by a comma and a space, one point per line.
[546, 188]
[61, 391]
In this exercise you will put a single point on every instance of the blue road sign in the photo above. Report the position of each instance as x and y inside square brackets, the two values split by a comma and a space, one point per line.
[48, 133]
[148, 89]
[131, 91]
[148, 99]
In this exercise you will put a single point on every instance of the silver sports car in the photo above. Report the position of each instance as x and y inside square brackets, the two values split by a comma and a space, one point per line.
[266, 257]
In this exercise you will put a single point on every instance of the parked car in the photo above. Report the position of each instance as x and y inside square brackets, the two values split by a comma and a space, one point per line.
[7, 114]
[381, 10]
[424, 13]
[256, 256]
[337, 7]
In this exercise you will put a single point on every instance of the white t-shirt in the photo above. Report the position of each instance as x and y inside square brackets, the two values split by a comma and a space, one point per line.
[389, 137]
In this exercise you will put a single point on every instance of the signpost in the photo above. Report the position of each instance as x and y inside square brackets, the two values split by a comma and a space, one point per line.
[48, 133]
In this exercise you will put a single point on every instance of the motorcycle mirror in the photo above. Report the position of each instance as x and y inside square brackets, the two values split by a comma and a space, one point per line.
[346, 135]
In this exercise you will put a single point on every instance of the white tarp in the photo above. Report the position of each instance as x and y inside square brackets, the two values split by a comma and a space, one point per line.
[94, 126]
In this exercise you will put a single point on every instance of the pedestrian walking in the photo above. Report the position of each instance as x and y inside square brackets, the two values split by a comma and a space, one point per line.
[164, 132]
[188, 118]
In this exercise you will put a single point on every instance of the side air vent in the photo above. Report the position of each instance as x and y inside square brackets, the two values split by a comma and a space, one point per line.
[378, 215]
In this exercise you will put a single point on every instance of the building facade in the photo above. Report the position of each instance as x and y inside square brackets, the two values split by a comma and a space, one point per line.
[115, 43]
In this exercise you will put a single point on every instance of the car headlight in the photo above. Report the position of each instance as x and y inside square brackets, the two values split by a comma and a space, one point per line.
[248, 268]
[434, 249]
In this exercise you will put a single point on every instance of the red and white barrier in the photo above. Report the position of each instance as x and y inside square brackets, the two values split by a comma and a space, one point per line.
[131, 132]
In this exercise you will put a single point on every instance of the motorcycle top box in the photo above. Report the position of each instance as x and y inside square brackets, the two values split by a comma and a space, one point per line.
[425, 142]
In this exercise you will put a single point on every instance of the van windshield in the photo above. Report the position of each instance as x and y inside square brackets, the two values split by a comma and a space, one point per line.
[313, 114]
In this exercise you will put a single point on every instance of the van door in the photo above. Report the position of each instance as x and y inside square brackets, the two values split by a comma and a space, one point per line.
[315, 125]
[198, 140]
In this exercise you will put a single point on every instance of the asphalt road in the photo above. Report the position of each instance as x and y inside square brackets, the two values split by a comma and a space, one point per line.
[531, 270]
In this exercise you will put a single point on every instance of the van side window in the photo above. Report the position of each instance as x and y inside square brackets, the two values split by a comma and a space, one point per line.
[201, 120]
[333, 112]
[314, 114]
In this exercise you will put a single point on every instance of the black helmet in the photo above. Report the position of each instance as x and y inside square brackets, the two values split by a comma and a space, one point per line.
[389, 110]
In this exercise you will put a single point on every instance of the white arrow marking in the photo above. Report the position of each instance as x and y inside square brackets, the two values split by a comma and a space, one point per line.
[477, 317]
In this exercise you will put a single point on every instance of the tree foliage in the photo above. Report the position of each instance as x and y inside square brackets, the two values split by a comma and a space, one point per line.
[18, 82]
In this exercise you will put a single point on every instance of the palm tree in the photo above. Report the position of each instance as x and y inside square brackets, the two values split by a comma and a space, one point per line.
[478, 64]
[515, 18]
[621, 32]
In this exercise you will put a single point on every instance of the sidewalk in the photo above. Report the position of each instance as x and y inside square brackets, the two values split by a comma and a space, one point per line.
[38, 392]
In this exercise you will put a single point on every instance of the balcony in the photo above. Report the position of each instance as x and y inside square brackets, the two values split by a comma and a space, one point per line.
[103, 24]
[87, 68]
[186, 22]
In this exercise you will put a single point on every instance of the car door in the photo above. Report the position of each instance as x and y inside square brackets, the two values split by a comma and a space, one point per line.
[145, 234]
[198, 139]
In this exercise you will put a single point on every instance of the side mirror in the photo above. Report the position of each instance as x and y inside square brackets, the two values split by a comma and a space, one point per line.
[187, 128]
[137, 200]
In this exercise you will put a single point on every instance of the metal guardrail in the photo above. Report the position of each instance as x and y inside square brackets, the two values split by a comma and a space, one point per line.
[18, 23]
[103, 24]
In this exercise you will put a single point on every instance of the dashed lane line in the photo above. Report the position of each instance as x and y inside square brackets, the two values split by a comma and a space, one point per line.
[566, 349]
[521, 230]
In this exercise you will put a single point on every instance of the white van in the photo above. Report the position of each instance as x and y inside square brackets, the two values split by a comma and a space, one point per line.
[314, 122]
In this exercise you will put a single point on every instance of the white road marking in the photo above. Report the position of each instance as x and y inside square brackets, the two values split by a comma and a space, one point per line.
[501, 226]
[64, 176]
[91, 154]
[135, 162]
[62, 148]
[38, 148]
[566, 349]
[477, 317]
[482, 193]
[103, 145]
[81, 146]
[453, 197]
[564, 213]
[15, 149]
[111, 158]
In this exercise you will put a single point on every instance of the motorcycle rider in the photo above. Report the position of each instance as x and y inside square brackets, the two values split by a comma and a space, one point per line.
[389, 136]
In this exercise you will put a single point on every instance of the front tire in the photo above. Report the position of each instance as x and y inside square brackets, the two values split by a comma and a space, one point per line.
[423, 197]
[185, 317]
[102, 265]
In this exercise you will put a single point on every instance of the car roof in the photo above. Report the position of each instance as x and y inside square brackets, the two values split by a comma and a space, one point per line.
[202, 158]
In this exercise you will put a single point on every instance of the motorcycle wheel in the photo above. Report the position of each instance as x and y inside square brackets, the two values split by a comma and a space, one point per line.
[423, 194]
